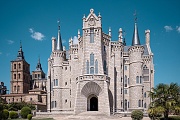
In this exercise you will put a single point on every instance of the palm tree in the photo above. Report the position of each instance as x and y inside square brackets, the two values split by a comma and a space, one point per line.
[165, 98]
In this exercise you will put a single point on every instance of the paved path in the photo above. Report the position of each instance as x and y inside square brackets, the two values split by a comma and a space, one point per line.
[93, 116]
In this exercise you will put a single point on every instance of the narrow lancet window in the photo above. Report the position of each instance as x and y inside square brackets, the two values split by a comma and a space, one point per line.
[92, 70]
[91, 59]
[91, 35]
[87, 67]
[104, 65]
[96, 67]
[137, 79]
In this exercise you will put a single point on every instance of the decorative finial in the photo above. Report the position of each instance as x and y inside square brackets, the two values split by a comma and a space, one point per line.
[84, 16]
[99, 14]
[109, 31]
[135, 16]
[91, 10]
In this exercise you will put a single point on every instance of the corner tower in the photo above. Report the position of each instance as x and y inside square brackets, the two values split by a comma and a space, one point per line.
[135, 70]
[55, 72]
[20, 74]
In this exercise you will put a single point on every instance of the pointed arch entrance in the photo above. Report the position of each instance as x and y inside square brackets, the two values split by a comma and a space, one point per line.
[92, 103]
[91, 91]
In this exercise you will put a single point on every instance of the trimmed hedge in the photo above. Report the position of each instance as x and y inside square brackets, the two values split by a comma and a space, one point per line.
[25, 111]
[137, 115]
[29, 116]
[5, 114]
[13, 114]
[172, 118]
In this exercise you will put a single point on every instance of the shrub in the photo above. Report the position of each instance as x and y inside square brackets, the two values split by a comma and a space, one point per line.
[137, 115]
[5, 114]
[29, 116]
[13, 114]
[25, 111]
[172, 118]
[1, 111]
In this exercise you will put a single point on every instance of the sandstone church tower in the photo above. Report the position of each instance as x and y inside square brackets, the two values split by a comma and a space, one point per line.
[20, 74]
[98, 74]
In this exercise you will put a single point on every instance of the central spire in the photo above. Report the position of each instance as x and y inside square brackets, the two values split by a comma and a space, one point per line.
[59, 41]
[135, 40]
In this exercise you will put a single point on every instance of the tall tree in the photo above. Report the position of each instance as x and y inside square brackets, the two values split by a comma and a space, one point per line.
[166, 97]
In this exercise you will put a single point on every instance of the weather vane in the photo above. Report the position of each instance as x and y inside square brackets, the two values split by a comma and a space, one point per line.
[58, 24]
[135, 15]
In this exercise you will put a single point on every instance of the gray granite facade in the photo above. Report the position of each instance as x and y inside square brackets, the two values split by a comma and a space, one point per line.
[98, 74]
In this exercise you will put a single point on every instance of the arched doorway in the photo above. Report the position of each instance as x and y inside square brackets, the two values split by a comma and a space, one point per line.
[92, 103]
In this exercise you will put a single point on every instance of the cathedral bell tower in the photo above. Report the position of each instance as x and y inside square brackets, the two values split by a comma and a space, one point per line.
[20, 74]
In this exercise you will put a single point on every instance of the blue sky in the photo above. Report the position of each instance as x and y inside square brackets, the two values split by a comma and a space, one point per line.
[34, 22]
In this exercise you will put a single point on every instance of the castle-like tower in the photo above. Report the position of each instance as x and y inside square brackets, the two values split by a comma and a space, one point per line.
[98, 74]
[20, 74]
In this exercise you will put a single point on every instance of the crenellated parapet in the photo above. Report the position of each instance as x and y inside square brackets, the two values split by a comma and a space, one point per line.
[59, 54]
[117, 46]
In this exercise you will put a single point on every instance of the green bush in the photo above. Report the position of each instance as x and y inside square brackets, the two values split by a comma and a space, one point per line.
[25, 111]
[5, 114]
[1, 110]
[172, 118]
[13, 114]
[137, 115]
[29, 116]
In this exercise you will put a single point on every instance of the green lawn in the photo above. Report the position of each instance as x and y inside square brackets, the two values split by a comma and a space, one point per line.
[35, 119]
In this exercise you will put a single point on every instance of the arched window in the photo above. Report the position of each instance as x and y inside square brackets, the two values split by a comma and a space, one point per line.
[140, 79]
[125, 81]
[144, 105]
[19, 76]
[128, 81]
[125, 105]
[104, 65]
[137, 79]
[145, 94]
[92, 70]
[87, 67]
[139, 103]
[55, 104]
[18, 88]
[14, 76]
[91, 59]
[128, 104]
[91, 35]
[19, 65]
[14, 88]
[14, 66]
[96, 67]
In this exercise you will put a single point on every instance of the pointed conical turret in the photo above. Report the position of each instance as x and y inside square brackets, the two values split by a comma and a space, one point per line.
[135, 40]
[59, 41]
[20, 55]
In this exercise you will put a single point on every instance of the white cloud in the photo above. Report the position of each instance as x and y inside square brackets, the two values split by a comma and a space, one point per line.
[63, 41]
[10, 42]
[168, 28]
[178, 29]
[75, 40]
[36, 35]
